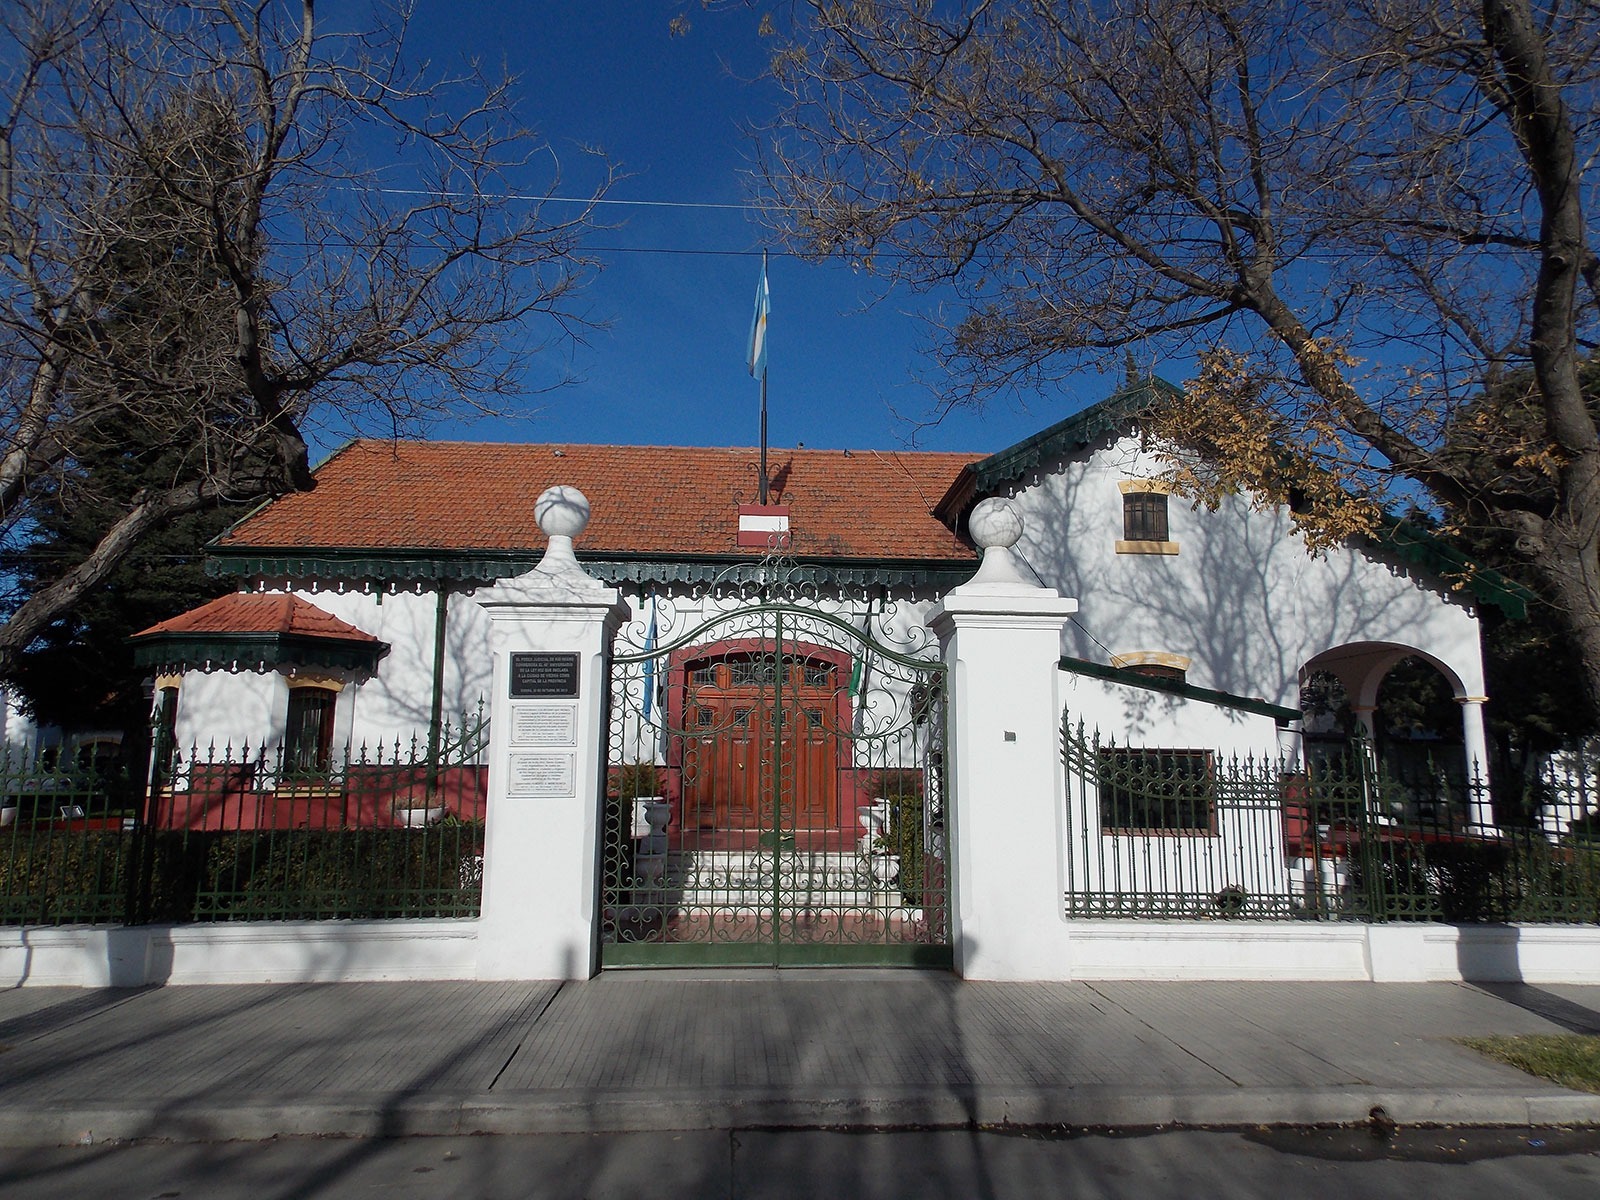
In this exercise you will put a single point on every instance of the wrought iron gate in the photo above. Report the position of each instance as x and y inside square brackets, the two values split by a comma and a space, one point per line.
[775, 790]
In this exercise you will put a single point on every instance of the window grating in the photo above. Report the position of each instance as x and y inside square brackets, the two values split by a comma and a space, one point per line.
[1144, 517]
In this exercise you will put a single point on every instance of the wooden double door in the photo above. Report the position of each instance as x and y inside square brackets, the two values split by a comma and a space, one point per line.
[763, 744]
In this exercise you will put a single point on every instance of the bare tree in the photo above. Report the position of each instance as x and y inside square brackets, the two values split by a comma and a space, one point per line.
[224, 227]
[1361, 215]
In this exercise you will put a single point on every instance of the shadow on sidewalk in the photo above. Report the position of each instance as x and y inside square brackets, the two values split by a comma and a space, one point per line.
[1570, 1015]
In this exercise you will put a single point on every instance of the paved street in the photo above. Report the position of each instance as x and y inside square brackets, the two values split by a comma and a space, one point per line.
[694, 1051]
[1465, 1164]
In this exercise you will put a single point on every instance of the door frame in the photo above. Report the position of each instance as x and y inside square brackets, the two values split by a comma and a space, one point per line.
[847, 792]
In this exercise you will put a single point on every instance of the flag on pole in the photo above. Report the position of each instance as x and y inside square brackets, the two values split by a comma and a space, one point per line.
[650, 663]
[757, 357]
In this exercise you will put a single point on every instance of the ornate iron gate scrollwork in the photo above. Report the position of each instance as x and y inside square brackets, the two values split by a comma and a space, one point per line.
[775, 790]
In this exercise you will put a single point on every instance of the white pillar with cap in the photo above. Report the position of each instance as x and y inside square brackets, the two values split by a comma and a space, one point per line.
[1001, 638]
[552, 633]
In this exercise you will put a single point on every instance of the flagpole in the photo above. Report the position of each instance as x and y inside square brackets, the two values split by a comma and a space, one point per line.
[763, 439]
[763, 405]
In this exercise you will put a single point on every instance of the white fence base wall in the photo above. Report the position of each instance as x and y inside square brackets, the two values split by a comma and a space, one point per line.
[1290, 950]
[351, 951]
[239, 952]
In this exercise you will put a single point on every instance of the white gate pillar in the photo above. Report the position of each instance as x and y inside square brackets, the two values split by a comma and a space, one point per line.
[1001, 638]
[552, 631]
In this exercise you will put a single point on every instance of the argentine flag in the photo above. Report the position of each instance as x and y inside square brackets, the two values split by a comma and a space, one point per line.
[650, 663]
[757, 357]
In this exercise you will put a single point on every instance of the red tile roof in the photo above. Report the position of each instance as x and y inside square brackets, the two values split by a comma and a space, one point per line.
[653, 500]
[255, 613]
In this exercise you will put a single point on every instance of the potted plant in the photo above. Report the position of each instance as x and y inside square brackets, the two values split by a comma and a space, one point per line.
[414, 809]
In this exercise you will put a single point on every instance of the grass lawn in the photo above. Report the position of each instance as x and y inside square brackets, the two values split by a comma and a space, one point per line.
[1570, 1059]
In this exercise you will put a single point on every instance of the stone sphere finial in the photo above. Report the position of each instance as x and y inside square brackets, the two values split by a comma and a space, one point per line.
[995, 522]
[995, 525]
[562, 511]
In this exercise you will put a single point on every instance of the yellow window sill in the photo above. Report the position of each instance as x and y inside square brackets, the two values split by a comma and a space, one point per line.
[1147, 547]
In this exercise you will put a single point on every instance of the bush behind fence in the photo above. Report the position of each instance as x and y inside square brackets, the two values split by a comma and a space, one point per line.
[393, 831]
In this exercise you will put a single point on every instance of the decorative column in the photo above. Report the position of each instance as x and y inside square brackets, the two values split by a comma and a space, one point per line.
[552, 632]
[1475, 744]
[1001, 638]
[1366, 717]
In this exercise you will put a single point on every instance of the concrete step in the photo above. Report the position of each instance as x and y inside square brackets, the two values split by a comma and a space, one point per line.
[743, 879]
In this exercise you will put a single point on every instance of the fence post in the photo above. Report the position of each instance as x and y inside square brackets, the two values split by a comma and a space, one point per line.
[1373, 877]
[1001, 637]
[1480, 805]
[552, 633]
[157, 762]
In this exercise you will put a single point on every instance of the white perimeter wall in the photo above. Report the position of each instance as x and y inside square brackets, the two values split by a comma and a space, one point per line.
[334, 951]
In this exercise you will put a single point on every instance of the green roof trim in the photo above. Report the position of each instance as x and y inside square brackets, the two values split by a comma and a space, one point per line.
[1414, 545]
[1082, 429]
[1081, 666]
[254, 652]
[484, 567]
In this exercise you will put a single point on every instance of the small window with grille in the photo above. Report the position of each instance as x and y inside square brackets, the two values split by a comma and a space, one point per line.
[752, 672]
[308, 736]
[1144, 517]
[1157, 791]
[818, 675]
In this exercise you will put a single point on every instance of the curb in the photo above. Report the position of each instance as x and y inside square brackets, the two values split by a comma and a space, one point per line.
[570, 1111]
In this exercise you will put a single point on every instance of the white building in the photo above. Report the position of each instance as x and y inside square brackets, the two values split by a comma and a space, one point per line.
[776, 676]
[397, 536]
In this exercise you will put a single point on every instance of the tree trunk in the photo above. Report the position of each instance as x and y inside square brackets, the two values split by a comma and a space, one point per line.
[48, 603]
[1571, 582]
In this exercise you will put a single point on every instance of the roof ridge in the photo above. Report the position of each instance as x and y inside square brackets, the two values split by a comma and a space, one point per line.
[270, 612]
[844, 451]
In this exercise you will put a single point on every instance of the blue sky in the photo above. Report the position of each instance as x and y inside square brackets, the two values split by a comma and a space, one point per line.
[678, 283]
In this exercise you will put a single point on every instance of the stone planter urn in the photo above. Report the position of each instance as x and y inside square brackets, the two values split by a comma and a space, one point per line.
[419, 818]
[657, 812]
[874, 820]
[885, 868]
[650, 817]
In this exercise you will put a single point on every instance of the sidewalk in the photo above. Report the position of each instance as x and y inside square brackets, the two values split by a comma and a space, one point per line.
[710, 1050]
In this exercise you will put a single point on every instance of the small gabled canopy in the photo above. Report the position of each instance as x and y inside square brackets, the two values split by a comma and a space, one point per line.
[1176, 687]
[1119, 412]
[245, 632]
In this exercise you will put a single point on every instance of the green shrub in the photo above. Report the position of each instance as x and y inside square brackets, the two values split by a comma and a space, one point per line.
[314, 874]
[902, 788]
[62, 876]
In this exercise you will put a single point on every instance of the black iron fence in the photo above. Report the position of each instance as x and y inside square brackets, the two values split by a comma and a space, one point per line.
[1189, 834]
[388, 831]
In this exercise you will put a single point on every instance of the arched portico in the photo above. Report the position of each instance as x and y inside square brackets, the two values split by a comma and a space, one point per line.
[1360, 667]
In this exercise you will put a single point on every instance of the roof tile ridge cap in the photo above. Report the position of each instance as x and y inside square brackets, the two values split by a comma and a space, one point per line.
[285, 608]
